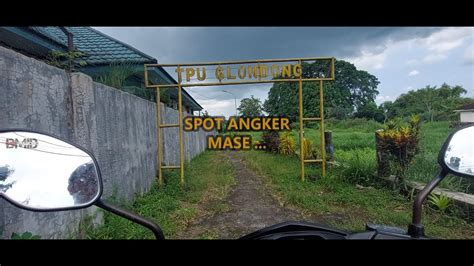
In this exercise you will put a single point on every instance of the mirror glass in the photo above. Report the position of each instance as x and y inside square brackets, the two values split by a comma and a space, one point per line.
[41, 172]
[459, 155]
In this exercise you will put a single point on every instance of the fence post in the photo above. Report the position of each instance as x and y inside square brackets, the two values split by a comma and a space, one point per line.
[329, 147]
[383, 166]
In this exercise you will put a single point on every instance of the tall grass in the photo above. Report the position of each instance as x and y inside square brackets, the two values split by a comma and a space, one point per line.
[332, 196]
[209, 176]
[117, 74]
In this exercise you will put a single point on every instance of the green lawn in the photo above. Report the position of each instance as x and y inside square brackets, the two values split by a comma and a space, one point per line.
[209, 178]
[333, 195]
[354, 143]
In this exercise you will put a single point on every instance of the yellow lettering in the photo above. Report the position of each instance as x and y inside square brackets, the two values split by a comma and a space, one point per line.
[227, 143]
[297, 71]
[229, 73]
[263, 71]
[180, 72]
[285, 123]
[219, 73]
[189, 73]
[188, 125]
[203, 77]
[219, 122]
[286, 71]
[242, 72]
[255, 124]
[208, 124]
[275, 71]
[266, 124]
[232, 125]
[214, 142]
[246, 143]
[244, 123]
[253, 71]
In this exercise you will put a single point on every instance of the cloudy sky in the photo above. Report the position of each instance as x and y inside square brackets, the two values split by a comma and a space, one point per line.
[402, 58]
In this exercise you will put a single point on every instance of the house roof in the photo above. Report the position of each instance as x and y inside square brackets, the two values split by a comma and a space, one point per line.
[98, 47]
[466, 107]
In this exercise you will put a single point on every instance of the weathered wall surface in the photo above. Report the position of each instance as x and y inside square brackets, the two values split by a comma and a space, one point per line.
[117, 127]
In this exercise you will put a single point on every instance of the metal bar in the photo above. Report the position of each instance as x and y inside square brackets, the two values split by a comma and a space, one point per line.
[313, 161]
[242, 62]
[333, 68]
[180, 122]
[170, 167]
[300, 106]
[146, 75]
[169, 125]
[234, 83]
[158, 136]
[321, 114]
[311, 118]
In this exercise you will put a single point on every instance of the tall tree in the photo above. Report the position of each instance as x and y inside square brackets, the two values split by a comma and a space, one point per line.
[351, 89]
[431, 103]
[250, 107]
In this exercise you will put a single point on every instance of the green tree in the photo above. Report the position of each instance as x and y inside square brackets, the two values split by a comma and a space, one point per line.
[250, 107]
[370, 110]
[431, 103]
[351, 89]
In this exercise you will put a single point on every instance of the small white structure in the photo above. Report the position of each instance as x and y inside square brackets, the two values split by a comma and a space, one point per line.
[466, 113]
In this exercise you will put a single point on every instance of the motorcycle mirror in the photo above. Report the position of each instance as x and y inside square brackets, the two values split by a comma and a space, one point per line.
[457, 154]
[40, 172]
[455, 157]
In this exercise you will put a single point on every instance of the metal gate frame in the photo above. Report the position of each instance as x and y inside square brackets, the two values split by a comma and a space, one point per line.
[180, 85]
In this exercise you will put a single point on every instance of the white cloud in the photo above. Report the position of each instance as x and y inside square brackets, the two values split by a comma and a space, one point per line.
[382, 98]
[219, 107]
[440, 43]
[409, 88]
[432, 58]
[469, 55]
[446, 39]
[368, 60]
[414, 73]
[412, 62]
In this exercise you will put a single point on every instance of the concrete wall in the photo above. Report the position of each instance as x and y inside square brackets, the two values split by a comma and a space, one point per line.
[117, 127]
[467, 116]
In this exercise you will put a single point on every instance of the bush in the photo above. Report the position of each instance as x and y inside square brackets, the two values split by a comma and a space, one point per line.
[271, 139]
[400, 141]
[357, 166]
[441, 202]
[308, 149]
[287, 144]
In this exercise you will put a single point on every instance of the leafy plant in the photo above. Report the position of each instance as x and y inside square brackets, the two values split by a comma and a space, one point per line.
[117, 74]
[25, 235]
[66, 60]
[400, 141]
[271, 139]
[308, 151]
[287, 144]
[441, 201]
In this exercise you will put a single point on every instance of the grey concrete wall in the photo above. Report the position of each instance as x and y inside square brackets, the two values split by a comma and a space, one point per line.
[117, 127]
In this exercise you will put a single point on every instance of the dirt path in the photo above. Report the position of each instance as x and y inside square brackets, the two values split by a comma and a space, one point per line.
[250, 207]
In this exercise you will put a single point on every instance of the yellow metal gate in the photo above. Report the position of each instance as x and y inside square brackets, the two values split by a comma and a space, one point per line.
[260, 64]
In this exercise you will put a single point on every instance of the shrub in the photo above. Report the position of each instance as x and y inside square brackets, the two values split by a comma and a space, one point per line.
[357, 166]
[271, 139]
[400, 141]
[287, 144]
[309, 151]
[442, 202]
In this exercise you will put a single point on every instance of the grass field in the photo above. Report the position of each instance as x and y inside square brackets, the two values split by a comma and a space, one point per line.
[336, 197]
[354, 143]
[209, 178]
